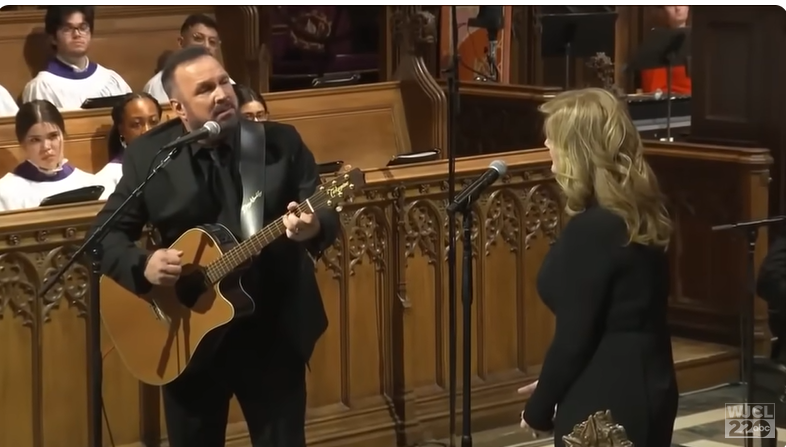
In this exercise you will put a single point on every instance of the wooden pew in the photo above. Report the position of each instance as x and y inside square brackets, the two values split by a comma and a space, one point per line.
[127, 39]
[384, 291]
[362, 125]
[498, 118]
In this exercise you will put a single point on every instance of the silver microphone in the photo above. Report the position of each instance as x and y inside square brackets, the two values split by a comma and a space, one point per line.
[209, 129]
[497, 169]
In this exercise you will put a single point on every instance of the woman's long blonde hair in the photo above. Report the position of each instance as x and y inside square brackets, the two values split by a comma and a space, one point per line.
[599, 156]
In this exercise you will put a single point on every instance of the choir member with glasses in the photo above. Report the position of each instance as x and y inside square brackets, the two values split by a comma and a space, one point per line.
[70, 77]
[8, 106]
[197, 30]
[134, 115]
[252, 105]
[40, 131]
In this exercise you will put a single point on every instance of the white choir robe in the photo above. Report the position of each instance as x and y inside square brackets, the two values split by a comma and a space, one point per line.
[22, 188]
[156, 88]
[8, 106]
[109, 176]
[67, 88]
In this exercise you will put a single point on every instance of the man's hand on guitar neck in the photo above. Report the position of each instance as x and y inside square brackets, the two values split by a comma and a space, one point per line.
[300, 226]
[163, 267]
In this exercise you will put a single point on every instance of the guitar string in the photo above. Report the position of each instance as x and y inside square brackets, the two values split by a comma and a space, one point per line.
[241, 252]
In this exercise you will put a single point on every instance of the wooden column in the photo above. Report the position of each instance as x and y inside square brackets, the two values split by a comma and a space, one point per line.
[738, 72]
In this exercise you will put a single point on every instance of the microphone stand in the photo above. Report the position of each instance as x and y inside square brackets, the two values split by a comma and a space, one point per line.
[568, 58]
[466, 326]
[93, 245]
[669, 65]
[747, 354]
[453, 98]
[491, 57]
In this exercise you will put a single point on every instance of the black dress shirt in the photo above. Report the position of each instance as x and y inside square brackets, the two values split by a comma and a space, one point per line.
[219, 177]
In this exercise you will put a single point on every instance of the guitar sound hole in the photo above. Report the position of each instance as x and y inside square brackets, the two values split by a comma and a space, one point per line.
[191, 285]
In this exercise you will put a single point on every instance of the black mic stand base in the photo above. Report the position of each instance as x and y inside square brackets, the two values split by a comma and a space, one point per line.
[669, 88]
[466, 320]
[452, 130]
[747, 314]
[465, 209]
[747, 351]
[568, 59]
[95, 399]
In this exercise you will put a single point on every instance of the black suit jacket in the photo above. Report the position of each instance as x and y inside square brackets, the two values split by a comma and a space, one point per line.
[282, 277]
[611, 348]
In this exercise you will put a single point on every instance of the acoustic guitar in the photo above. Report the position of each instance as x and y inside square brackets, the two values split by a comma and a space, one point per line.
[162, 333]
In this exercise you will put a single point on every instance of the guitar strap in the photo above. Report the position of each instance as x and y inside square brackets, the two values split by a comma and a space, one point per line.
[251, 164]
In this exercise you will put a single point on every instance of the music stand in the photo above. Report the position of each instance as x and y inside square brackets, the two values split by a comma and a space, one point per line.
[663, 47]
[576, 35]
[747, 336]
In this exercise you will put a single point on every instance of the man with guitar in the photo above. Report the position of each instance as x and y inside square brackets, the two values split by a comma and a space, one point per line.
[226, 183]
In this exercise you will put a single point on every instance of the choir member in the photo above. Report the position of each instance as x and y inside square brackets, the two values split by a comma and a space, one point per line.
[8, 105]
[45, 172]
[252, 105]
[70, 77]
[606, 279]
[655, 79]
[197, 29]
[134, 115]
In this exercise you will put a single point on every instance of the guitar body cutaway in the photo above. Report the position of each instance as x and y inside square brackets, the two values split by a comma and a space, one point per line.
[161, 334]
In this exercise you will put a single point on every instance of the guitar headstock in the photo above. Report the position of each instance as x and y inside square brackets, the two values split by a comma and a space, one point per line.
[342, 189]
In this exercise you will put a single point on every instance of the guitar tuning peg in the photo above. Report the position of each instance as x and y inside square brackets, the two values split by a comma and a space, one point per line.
[339, 208]
[346, 176]
[333, 183]
[351, 186]
[351, 200]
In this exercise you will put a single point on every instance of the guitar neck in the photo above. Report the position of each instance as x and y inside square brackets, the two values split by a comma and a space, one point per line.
[244, 251]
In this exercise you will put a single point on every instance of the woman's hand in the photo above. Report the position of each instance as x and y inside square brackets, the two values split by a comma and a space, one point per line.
[528, 389]
[536, 434]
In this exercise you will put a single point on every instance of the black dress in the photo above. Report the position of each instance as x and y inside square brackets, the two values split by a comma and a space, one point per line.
[611, 348]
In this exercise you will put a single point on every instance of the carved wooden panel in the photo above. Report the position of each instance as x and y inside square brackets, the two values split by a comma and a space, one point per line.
[709, 268]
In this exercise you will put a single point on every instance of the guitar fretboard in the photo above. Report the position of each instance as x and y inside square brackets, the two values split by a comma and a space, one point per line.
[242, 252]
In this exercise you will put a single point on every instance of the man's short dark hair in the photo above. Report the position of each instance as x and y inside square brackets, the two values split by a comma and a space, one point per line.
[177, 59]
[56, 17]
[198, 19]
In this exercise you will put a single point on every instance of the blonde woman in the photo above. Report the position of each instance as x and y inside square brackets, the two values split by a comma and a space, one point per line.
[606, 279]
